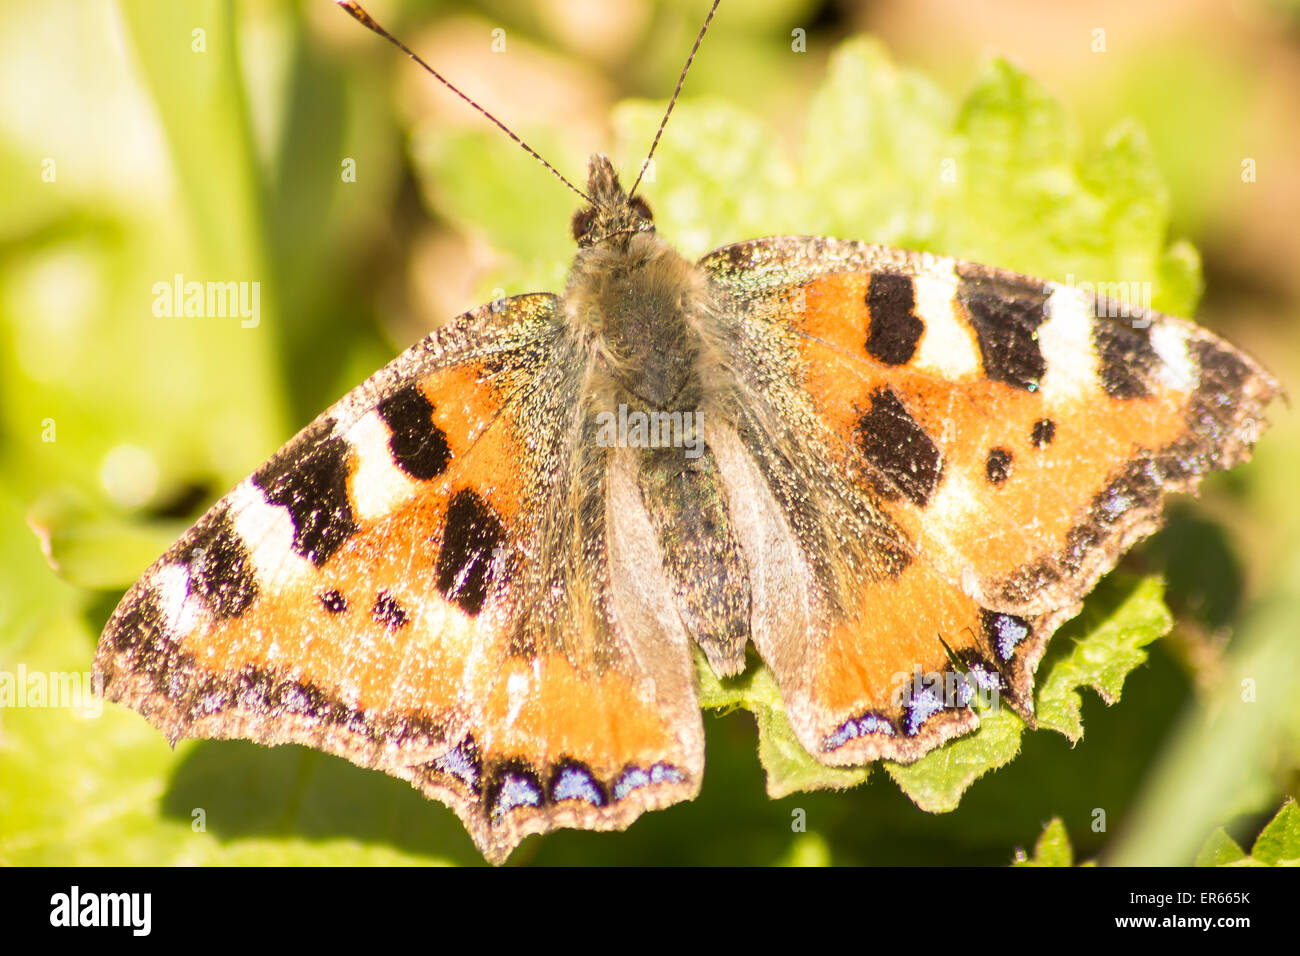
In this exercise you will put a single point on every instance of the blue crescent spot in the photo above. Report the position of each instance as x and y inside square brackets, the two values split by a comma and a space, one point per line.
[984, 683]
[295, 700]
[847, 731]
[1008, 631]
[921, 707]
[666, 773]
[634, 778]
[858, 727]
[517, 791]
[984, 677]
[965, 691]
[459, 764]
[576, 783]
[1116, 504]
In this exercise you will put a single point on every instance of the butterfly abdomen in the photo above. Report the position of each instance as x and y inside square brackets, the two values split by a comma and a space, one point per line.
[702, 560]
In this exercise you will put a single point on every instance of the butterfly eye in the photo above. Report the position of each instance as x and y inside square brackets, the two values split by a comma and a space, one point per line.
[582, 222]
[641, 208]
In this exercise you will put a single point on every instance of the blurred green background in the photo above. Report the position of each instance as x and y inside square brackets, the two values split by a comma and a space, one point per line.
[133, 149]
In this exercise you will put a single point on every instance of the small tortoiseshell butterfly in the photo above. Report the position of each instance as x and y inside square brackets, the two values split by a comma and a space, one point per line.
[485, 570]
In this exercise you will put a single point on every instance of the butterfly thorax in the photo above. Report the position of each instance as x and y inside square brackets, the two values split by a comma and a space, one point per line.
[637, 297]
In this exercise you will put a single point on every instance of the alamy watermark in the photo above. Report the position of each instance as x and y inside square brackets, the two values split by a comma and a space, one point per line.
[947, 690]
[1117, 300]
[78, 690]
[208, 300]
[133, 911]
[638, 429]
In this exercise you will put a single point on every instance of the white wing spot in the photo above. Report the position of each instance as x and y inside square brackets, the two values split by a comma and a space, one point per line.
[267, 532]
[948, 345]
[172, 584]
[378, 486]
[1065, 341]
[1177, 370]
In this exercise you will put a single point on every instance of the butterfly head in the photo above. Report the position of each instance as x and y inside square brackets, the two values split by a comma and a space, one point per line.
[612, 215]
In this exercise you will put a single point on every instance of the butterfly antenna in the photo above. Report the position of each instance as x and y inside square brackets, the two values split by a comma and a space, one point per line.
[367, 21]
[673, 102]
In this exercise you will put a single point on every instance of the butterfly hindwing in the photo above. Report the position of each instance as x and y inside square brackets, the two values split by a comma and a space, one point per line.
[860, 676]
[1012, 437]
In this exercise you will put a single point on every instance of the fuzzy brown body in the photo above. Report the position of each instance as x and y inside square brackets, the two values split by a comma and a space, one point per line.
[896, 465]
[649, 312]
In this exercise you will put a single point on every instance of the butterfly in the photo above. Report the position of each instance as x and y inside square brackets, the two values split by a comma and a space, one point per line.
[488, 569]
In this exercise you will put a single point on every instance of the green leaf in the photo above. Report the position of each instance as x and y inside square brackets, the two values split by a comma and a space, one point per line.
[1220, 850]
[720, 175]
[807, 849]
[876, 141]
[937, 781]
[99, 551]
[481, 181]
[1052, 849]
[789, 767]
[1278, 843]
[1108, 645]
[213, 157]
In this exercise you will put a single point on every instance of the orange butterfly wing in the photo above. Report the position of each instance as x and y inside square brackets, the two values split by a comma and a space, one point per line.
[1014, 437]
[366, 592]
